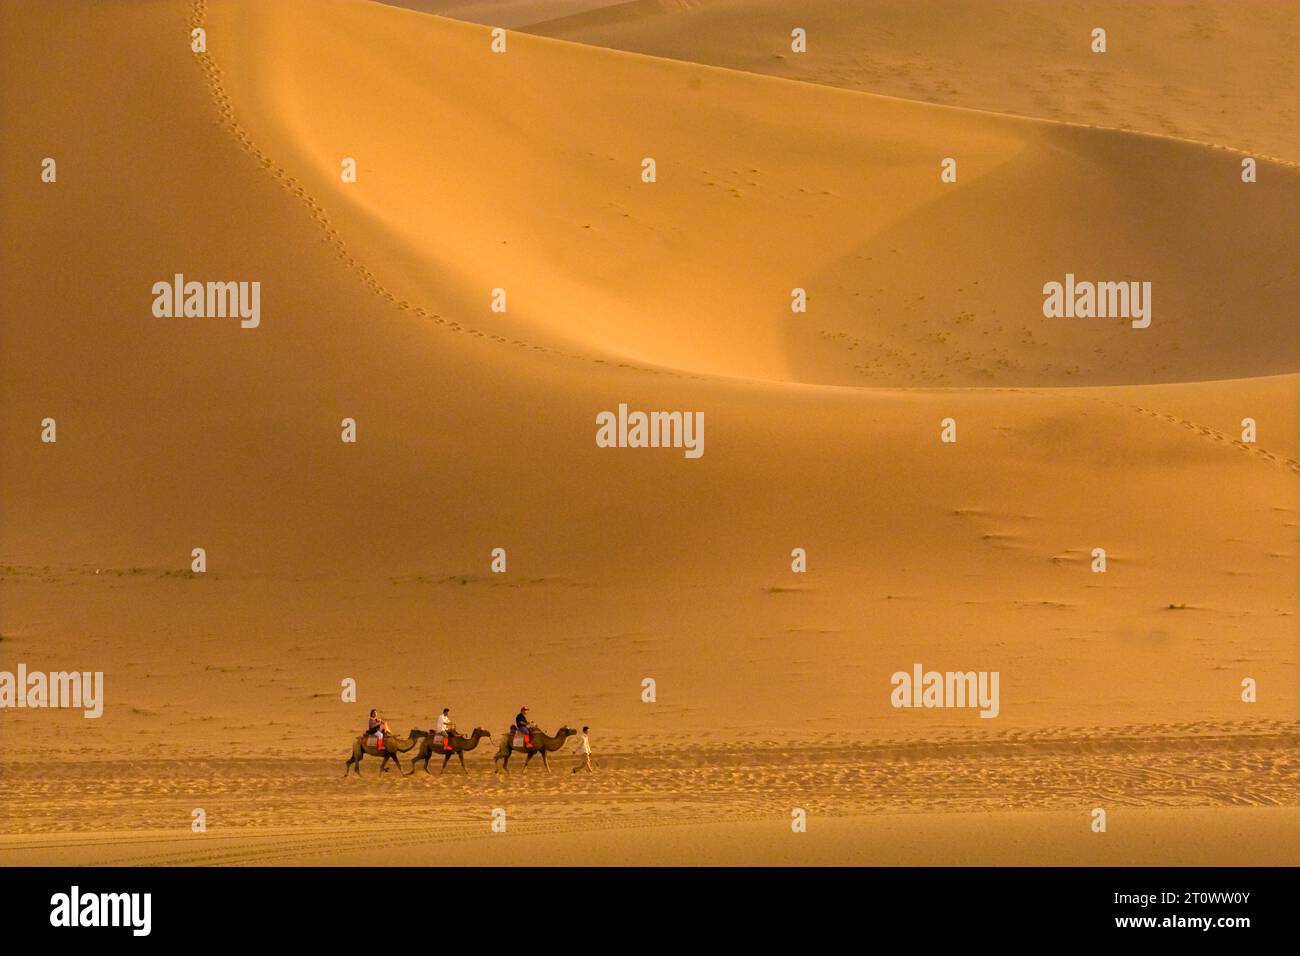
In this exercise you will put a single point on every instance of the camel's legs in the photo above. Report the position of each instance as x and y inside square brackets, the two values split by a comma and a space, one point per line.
[445, 758]
[460, 755]
[546, 763]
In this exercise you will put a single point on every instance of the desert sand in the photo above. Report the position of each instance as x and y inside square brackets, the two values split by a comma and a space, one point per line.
[1214, 72]
[522, 171]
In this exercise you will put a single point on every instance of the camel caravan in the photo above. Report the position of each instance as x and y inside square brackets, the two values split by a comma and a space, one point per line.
[523, 736]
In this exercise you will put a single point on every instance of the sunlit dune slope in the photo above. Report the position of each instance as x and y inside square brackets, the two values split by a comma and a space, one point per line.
[522, 171]
[1217, 71]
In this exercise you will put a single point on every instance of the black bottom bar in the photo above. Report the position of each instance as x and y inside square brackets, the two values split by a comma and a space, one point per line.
[978, 905]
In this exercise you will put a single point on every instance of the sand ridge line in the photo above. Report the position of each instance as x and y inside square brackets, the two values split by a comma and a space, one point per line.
[533, 29]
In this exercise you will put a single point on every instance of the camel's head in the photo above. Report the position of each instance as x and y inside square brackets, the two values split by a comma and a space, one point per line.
[480, 732]
[417, 732]
[566, 732]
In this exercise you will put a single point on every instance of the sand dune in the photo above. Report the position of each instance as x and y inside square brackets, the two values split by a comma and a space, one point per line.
[909, 280]
[1213, 71]
[478, 171]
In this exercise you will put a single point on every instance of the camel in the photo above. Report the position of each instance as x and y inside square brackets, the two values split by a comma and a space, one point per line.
[542, 744]
[459, 745]
[393, 746]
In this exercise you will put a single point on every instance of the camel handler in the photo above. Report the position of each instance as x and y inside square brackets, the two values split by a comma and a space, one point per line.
[584, 753]
[525, 727]
[446, 727]
[377, 728]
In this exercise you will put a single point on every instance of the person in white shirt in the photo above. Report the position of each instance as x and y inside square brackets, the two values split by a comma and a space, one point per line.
[584, 752]
[444, 726]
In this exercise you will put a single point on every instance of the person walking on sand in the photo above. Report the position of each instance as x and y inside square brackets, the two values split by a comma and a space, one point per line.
[584, 752]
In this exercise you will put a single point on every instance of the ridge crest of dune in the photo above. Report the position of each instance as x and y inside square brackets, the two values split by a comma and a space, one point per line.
[1199, 72]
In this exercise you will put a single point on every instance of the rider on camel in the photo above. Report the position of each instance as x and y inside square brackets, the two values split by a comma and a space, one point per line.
[523, 726]
[445, 727]
[377, 728]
